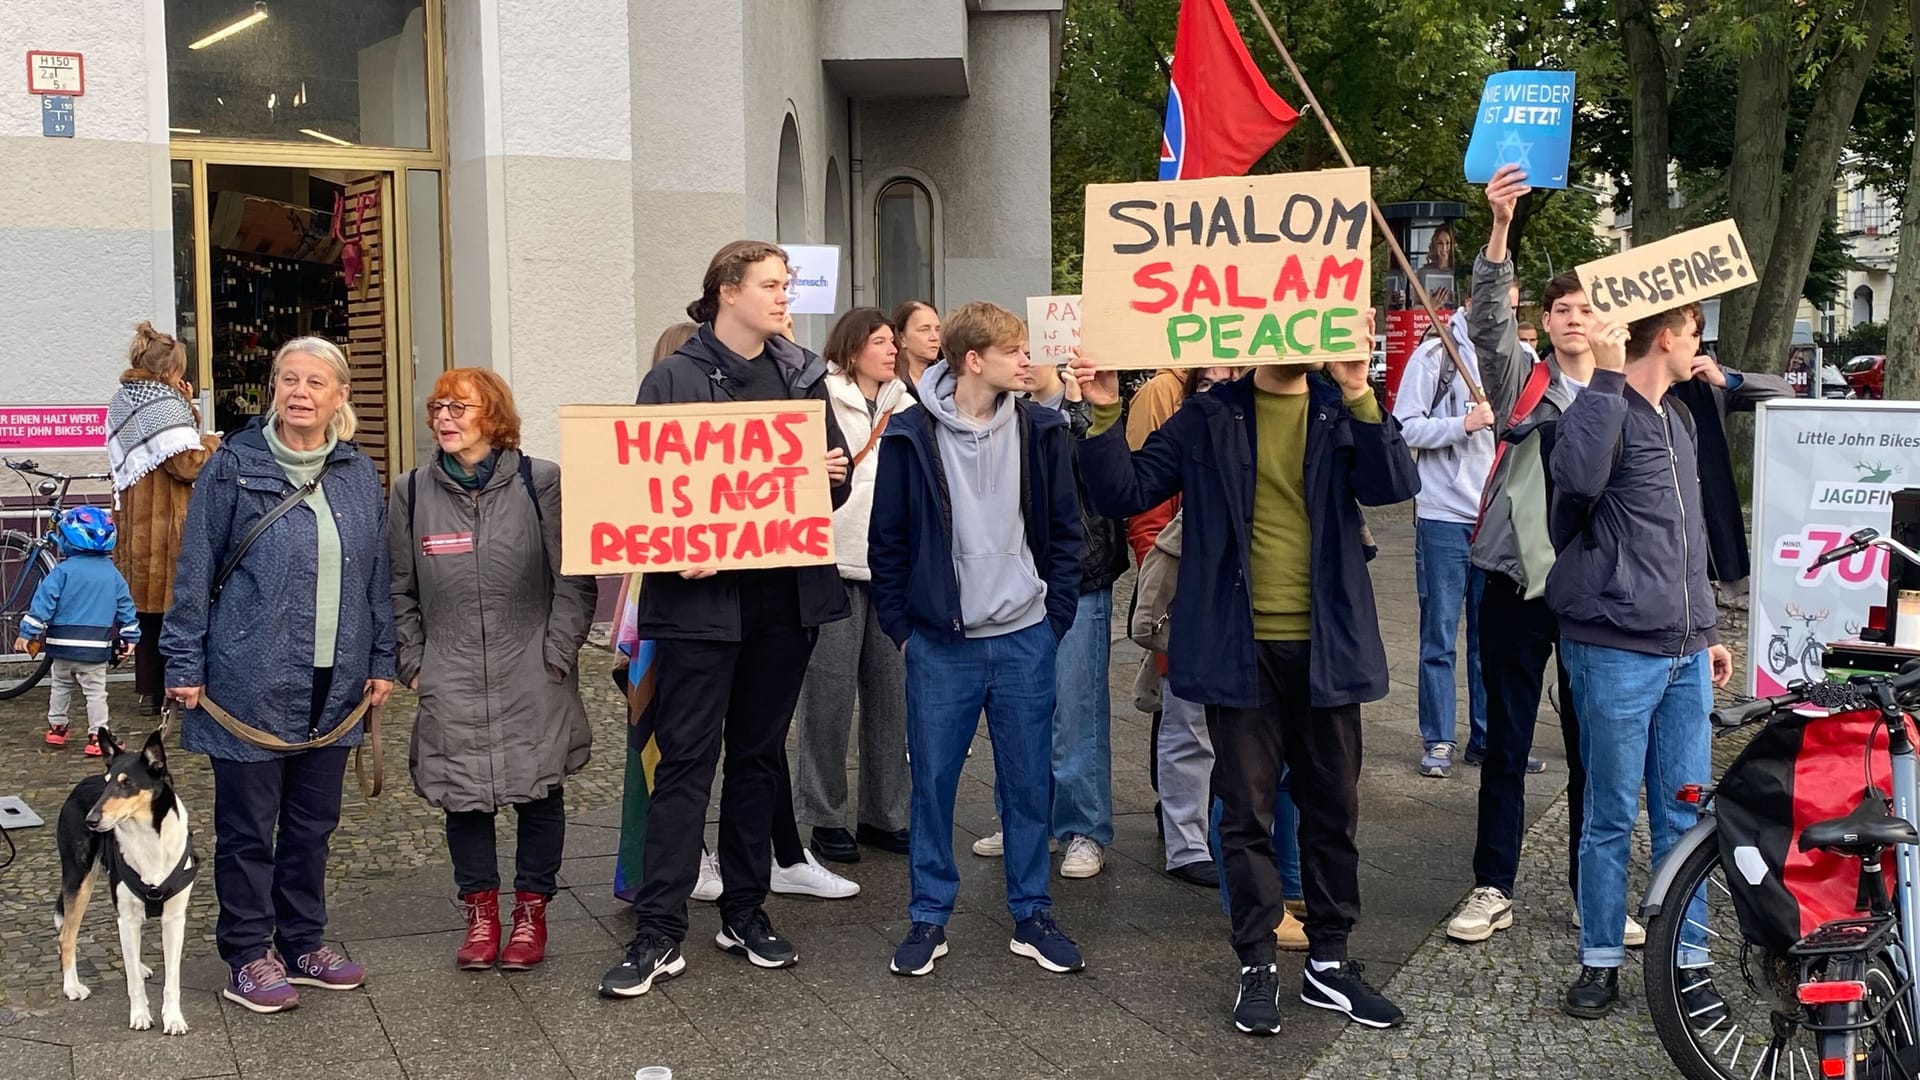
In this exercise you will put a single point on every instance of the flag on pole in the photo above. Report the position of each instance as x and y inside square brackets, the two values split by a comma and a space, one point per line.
[1221, 114]
[635, 681]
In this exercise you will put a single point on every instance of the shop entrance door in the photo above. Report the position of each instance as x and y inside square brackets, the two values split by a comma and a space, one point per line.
[293, 252]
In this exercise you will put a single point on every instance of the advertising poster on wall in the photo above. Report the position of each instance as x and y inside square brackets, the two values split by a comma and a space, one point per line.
[1821, 471]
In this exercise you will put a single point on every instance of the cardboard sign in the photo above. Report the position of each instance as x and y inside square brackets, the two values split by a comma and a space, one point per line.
[665, 488]
[814, 288]
[1238, 270]
[53, 427]
[1525, 119]
[1053, 328]
[1665, 274]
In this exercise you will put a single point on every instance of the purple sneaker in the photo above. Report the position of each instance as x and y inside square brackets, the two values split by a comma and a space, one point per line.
[328, 970]
[261, 986]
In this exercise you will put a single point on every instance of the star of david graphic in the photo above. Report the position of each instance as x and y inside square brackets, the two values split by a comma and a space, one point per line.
[1512, 150]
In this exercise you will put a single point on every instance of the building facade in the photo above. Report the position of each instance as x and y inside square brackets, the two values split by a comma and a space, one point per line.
[500, 183]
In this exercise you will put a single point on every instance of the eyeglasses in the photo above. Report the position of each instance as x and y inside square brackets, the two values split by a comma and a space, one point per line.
[455, 409]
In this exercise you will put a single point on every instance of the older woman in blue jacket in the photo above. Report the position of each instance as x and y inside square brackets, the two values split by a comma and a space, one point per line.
[291, 635]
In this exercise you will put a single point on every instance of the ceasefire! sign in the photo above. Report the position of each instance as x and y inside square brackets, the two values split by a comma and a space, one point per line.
[1194, 273]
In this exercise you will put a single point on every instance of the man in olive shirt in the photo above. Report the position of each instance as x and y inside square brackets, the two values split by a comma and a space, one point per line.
[1273, 629]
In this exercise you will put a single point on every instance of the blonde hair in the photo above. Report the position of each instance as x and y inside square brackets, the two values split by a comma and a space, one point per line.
[156, 354]
[672, 338]
[344, 422]
[980, 326]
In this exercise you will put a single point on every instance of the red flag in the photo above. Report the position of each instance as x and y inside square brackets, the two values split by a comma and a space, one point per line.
[1221, 114]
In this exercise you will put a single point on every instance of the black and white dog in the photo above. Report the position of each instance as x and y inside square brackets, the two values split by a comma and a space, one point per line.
[130, 820]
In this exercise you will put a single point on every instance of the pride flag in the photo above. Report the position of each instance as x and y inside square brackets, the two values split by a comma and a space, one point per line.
[636, 682]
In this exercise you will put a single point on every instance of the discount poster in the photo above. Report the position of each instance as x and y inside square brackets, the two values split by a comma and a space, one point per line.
[1822, 469]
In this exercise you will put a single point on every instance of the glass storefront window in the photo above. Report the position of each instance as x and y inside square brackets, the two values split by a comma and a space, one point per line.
[904, 243]
[186, 320]
[315, 72]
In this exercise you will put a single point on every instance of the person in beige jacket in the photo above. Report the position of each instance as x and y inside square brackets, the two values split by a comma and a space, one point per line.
[489, 633]
[852, 658]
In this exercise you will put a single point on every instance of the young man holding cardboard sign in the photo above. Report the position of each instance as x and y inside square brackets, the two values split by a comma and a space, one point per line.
[1637, 626]
[731, 645]
[1274, 631]
[975, 550]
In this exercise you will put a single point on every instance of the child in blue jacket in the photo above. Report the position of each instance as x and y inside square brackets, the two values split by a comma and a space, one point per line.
[82, 614]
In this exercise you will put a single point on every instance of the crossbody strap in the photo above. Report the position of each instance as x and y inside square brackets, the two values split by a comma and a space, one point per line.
[260, 526]
[879, 426]
[1531, 395]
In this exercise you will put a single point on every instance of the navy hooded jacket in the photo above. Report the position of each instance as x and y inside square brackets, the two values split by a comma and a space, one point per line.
[1205, 454]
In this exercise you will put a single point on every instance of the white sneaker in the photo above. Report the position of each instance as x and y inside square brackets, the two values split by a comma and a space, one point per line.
[991, 847]
[809, 878]
[708, 887]
[1487, 909]
[1084, 857]
[1633, 937]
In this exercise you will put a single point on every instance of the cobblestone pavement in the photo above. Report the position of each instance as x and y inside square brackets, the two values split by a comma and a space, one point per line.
[1155, 1000]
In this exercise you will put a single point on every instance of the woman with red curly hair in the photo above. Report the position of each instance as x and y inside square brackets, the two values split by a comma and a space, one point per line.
[488, 633]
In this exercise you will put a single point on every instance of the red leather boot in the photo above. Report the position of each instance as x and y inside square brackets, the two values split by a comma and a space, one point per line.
[527, 945]
[482, 945]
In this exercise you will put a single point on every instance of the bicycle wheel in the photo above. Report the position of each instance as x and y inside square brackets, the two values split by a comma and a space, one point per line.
[23, 565]
[1777, 657]
[1758, 1032]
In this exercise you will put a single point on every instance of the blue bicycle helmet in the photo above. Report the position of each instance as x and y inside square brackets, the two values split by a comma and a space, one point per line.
[86, 528]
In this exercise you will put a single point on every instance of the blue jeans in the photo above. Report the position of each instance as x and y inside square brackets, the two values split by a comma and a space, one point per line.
[948, 684]
[1286, 845]
[1446, 578]
[1642, 717]
[1082, 724]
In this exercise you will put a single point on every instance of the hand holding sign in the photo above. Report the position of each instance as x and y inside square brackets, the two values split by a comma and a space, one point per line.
[1097, 386]
[1609, 342]
[1351, 375]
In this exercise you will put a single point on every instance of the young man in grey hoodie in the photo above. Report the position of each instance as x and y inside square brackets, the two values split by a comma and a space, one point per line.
[975, 547]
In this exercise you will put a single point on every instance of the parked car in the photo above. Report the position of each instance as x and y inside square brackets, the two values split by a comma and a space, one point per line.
[1868, 376]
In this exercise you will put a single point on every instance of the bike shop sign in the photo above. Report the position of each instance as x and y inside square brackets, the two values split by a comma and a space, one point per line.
[53, 427]
[1822, 470]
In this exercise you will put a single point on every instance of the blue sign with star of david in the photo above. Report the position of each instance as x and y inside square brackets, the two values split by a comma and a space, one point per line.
[1525, 119]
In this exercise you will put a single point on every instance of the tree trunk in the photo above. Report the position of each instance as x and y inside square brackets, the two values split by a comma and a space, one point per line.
[1903, 313]
[1755, 180]
[1828, 127]
[1652, 122]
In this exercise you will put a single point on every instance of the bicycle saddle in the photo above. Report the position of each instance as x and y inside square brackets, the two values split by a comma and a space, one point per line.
[1864, 831]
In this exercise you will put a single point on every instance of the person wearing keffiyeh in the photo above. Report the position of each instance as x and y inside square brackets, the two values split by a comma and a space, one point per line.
[155, 449]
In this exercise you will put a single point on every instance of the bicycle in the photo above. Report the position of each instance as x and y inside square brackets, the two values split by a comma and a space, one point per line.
[1811, 655]
[1734, 994]
[25, 561]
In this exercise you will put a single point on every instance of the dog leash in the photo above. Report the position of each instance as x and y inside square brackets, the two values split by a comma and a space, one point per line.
[253, 736]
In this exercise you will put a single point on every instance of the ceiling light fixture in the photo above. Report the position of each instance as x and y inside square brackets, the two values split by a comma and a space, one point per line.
[253, 18]
[184, 131]
[324, 137]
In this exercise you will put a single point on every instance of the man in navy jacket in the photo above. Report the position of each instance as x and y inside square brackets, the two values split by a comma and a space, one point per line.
[1273, 629]
[1637, 627]
[975, 548]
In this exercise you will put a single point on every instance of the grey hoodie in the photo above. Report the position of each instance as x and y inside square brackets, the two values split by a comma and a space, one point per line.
[1000, 590]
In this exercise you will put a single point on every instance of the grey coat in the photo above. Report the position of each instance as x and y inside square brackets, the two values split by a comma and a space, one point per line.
[481, 628]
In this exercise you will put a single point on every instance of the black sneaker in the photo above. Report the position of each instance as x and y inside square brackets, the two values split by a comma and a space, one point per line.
[649, 957]
[753, 938]
[835, 845]
[1344, 989]
[1039, 939]
[1594, 993]
[924, 944]
[1257, 1010]
[1202, 874]
[1702, 1004]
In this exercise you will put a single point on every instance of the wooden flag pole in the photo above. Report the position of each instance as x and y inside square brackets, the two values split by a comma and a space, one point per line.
[1472, 378]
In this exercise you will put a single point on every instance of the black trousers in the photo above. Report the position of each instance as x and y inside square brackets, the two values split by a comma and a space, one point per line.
[1516, 637]
[149, 667]
[1321, 747]
[542, 826]
[741, 694]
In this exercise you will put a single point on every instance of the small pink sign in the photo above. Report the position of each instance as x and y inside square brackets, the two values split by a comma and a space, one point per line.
[53, 427]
